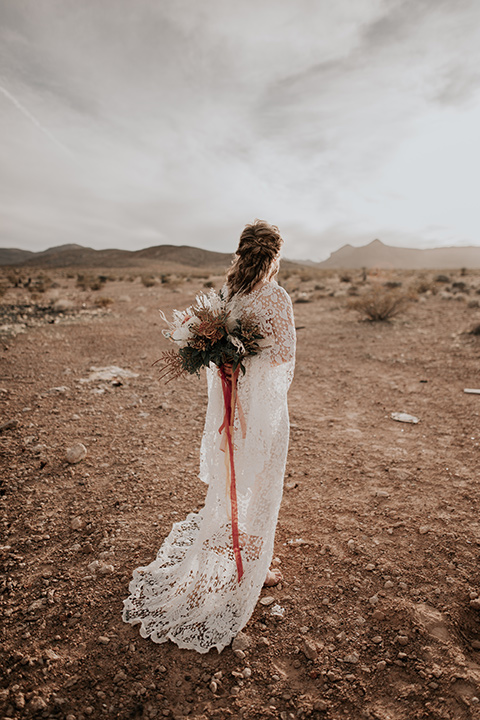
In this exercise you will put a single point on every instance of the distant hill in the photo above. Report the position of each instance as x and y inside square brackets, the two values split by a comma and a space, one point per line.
[80, 256]
[376, 254]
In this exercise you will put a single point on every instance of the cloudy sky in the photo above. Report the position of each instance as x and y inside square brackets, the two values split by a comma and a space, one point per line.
[130, 123]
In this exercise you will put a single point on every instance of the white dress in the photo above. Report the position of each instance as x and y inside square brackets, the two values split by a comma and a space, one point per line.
[190, 593]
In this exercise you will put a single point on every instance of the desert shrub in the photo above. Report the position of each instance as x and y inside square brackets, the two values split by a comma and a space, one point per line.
[345, 277]
[40, 284]
[475, 330]
[104, 302]
[392, 284]
[148, 280]
[14, 278]
[3, 289]
[423, 286]
[463, 271]
[442, 279]
[208, 284]
[379, 303]
[86, 281]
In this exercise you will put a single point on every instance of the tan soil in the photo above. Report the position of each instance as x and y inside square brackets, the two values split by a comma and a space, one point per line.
[378, 534]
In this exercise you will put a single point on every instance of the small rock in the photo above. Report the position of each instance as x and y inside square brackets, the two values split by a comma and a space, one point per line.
[382, 494]
[268, 600]
[381, 665]
[235, 690]
[423, 529]
[93, 566]
[119, 677]
[8, 425]
[370, 567]
[241, 641]
[352, 658]
[37, 604]
[19, 700]
[373, 600]
[77, 523]
[213, 686]
[103, 640]
[264, 641]
[320, 705]
[351, 544]
[247, 673]
[476, 644]
[388, 585]
[37, 703]
[105, 569]
[377, 639]
[239, 654]
[309, 649]
[404, 417]
[475, 603]
[378, 615]
[75, 453]
[277, 611]
[401, 639]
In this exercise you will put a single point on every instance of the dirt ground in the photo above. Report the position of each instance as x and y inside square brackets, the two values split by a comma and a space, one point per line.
[378, 534]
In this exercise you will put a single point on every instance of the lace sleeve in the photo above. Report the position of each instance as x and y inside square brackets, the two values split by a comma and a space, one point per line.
[281, 325]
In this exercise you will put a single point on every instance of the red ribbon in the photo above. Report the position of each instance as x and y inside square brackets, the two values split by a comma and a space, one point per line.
[229, 387]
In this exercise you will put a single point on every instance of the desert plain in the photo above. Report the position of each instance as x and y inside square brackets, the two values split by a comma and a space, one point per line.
[378, 536]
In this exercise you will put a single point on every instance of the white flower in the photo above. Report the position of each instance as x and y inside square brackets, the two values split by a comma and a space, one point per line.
[237, 344]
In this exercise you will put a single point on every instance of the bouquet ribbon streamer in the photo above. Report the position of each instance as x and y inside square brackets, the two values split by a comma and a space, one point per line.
[231, 402]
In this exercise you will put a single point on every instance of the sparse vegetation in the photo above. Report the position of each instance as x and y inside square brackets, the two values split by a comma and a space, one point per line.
[380, 303]
[475, 330]
[148, 280]
[86, 281]
[103, 301]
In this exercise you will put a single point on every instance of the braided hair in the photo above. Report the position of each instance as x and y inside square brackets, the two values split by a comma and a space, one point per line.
[256, 258]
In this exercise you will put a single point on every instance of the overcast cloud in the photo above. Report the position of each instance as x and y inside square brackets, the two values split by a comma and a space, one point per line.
[129, 123]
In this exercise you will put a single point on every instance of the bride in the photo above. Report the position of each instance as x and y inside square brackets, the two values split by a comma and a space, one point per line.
[191, 592]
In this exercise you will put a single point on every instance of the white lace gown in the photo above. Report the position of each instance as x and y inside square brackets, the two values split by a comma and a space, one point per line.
[190, 593]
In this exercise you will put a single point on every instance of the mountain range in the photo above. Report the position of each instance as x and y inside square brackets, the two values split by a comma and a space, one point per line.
[377, 254]
[374, 254]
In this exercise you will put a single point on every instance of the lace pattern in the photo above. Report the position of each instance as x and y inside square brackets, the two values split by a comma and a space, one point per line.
[190, 593]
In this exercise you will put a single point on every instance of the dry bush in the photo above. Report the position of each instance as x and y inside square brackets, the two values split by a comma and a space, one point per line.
[148, 280]
[424, 286]
[103, 301]
[87, 281]
[475, 330]
[345, 277]
[40, 285]
[380, 304]
[3, 289]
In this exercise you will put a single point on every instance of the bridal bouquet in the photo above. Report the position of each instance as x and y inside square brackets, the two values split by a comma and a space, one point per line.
[212, 330]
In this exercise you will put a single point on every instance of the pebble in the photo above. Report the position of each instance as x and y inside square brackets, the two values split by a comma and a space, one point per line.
[309, 649]
[218, 675]
[377, 639]
[402, 639]
[388, 585]
[75, 453]
[105, 569]
[382, 494]
[119, 677]
[235, 690]
[103, 639]
[267, 600]
[247, 673]
[476, 644]
[304, 629]
[352, 658]
[373, 600]
[19, 700]
[263, 641]
[213, 686]
[378, 615]
[37, 703]
[277, 611]
[241, 641]
[239, 654]
[475, 603]
[423, 529]
[77, 523]
[370, 567]
[351, 544]
[381, 665]
[297, 664]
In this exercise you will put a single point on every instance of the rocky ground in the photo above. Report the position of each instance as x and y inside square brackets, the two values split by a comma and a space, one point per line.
[378, 536]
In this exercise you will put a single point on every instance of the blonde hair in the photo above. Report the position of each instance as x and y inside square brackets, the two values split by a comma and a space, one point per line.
[256, 258]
